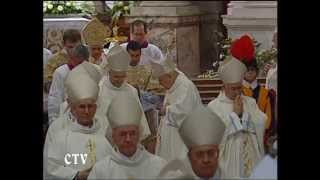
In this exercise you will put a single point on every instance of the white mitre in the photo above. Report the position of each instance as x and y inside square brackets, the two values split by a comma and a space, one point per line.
[232, 70]
[202, 127]
[124, 110]
[164, 67]
[82, 82]
[118, 59]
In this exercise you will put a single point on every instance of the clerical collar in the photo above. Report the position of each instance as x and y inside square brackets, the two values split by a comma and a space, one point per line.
[252, 85]
[144, 44]
[76, 127]
[135, 159]
[70, 66]
[111, 86]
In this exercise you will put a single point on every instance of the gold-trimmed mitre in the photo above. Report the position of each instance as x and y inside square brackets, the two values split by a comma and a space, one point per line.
[95, 32]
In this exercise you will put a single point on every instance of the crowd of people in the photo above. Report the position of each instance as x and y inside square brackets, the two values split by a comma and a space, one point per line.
[131, 113]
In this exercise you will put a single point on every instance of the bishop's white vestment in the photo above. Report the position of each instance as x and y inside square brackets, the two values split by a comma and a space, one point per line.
[56, 94]
[76, 139]
[108, 92]
[181, 99]
[242, 145]
[142, 165]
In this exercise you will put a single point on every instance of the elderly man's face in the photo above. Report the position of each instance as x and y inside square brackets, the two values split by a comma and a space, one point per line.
[138, 33]
[69, 46]
[126, 138]
[204, 160]
[96, 51]
[232, 90]
[84, 111]
[135, 56]
[166, 81]
[117, 78]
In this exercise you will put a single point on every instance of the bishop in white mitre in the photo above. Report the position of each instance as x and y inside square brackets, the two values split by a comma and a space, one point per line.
[114, 82]
[65, 118]
[202, 133]
[129, 159]
[181, 98]
[94, 34]
[72, 151]
[242, 145]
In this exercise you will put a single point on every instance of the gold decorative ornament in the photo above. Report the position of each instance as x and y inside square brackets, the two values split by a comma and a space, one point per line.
[95, 32]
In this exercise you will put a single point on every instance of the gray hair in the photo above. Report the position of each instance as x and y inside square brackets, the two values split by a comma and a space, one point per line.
[81, 51]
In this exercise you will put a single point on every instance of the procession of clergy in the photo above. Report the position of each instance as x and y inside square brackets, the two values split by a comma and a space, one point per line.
[108, 120]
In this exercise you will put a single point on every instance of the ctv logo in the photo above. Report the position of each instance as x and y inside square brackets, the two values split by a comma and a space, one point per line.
[73, 158]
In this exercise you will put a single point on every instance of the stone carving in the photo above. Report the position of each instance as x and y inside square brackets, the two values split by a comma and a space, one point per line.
[53, 29]
[54, 39]
[165, 39]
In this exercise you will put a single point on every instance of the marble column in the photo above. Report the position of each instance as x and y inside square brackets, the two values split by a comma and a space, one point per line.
[173, 26]
[210, 22]
[258, 18]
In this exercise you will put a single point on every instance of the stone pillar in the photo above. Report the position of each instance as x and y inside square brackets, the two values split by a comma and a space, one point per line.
[258, 18]
[210, 22]
[173, 26]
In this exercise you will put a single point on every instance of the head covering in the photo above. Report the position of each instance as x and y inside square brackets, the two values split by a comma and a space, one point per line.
[82, 82]
[118, 59]
[164, 67]
[202, 127]
[242, 54]
[95, 32]
[124, 110]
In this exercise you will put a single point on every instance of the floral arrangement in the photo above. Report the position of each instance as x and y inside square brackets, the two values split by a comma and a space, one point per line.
[266, 56]
[209, 74]
[120, 8]
[263, 56]
[67, 7]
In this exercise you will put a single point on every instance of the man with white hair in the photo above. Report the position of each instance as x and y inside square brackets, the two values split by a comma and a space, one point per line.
[181, 98]
[56, 96]
[242, 145]
[129, 159]
[115, 69]
[202, 133]
[83, 135]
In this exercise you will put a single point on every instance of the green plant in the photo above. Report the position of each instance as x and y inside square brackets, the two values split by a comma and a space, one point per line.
[121, 8]
[262, 56]
[68, 7]
[60, 7]
[266, 56]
